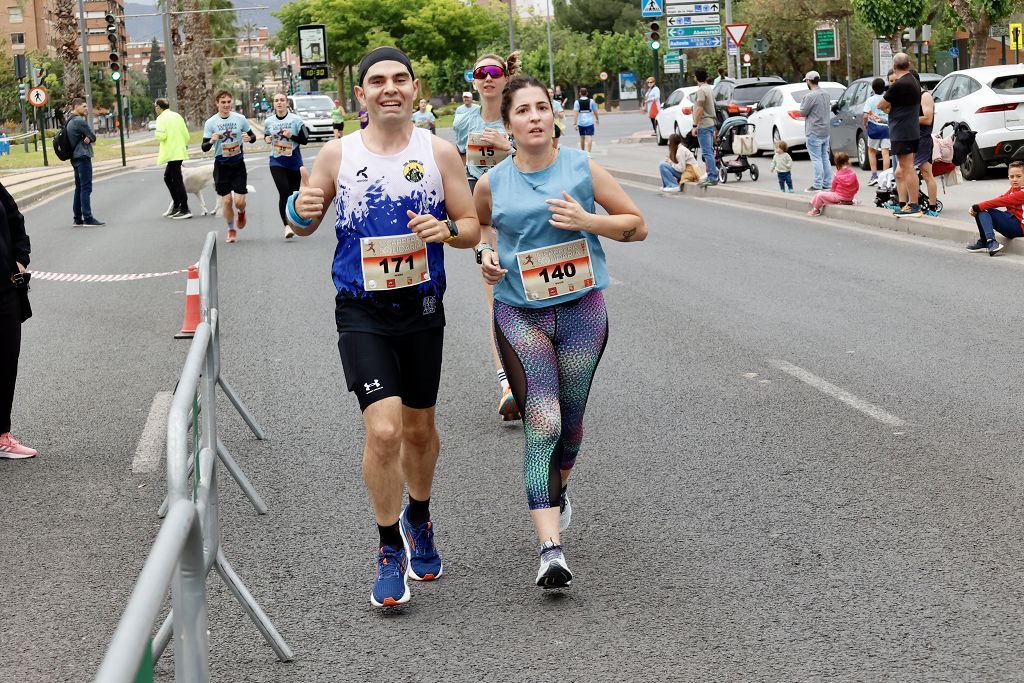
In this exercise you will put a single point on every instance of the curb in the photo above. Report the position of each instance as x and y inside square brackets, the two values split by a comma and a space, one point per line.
[865, 216]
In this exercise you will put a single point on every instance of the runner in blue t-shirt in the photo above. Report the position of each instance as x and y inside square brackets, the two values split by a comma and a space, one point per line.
[284, 131]
[224, 132]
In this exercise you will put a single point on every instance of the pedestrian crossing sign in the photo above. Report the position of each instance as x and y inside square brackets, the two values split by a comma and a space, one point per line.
[652, 8]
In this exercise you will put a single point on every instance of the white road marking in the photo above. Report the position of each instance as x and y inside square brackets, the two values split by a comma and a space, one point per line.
[151, 443]
[837, 393]
[615, 281]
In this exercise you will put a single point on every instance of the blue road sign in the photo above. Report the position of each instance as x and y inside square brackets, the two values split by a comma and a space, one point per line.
[954, 52]
[652, 8]
[693, 31]
[688, 43]
[468, 76]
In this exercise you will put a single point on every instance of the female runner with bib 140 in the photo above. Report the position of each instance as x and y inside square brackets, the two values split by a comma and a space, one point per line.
[284, 132]
[550, 322]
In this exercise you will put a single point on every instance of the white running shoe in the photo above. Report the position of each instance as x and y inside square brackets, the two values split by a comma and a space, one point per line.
[288, 232]
[565, 515]
[554, 571]
[670, 189]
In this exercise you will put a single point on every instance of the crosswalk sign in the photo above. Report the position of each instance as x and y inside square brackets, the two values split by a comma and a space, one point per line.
[652, 8]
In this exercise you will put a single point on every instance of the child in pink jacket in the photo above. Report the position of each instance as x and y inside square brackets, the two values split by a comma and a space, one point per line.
[844, 186]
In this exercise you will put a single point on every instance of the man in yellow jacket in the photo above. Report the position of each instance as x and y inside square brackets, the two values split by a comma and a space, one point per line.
[173, 135]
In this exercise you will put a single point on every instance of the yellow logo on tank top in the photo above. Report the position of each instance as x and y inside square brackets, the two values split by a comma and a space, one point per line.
[413, 171]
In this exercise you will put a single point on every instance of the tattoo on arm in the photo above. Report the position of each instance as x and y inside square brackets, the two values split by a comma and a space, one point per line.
[626, 234]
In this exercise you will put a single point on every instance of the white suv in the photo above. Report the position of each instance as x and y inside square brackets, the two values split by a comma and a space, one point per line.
[315, 112]
[990, 100]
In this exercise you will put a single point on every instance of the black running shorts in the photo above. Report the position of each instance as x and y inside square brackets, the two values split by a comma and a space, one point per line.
[379, 366]
[901, 147]
[228, 178]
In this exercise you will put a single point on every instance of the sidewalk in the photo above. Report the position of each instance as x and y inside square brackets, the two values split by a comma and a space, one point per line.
[628, 159]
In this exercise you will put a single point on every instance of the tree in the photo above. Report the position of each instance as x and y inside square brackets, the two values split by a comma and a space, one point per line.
[977, 16]
[890, 17]
[64, 24]
[193, 65]
[603, 16]
[156, 72]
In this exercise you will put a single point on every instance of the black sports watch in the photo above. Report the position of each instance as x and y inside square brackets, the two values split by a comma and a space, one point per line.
[453, 230]
[480, 249]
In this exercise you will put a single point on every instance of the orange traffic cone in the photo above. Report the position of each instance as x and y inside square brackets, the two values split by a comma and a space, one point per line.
[188, 328]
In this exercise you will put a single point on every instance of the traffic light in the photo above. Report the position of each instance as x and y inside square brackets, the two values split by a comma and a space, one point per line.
[111, 29]
[23, 92]
[115, 66]
[654, 36]
[910, 35]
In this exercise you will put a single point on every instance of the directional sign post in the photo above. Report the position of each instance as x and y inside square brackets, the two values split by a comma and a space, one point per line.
[690, 43]
[694, 20]
[678, 8]
[672, 62]
[693, 31]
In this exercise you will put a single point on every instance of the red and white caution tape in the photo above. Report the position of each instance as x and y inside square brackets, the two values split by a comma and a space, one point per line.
[82, 277]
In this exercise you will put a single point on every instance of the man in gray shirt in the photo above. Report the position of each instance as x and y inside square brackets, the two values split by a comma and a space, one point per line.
[704, 125]
[816, 108]
[82, 138]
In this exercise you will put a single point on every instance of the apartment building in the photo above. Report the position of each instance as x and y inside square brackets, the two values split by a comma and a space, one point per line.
[137, 57]
[25, 26]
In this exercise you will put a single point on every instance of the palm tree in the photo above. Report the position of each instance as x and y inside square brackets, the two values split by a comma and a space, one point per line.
[64, 20]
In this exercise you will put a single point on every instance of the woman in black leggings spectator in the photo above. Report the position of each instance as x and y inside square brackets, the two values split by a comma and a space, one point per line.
[14, 257]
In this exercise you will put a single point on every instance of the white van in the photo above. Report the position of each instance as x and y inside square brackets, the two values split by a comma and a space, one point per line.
[315, 112]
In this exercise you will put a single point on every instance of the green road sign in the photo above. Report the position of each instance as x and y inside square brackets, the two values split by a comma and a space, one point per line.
[694, 31]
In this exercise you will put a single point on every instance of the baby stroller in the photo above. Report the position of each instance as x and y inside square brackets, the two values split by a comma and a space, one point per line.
[885, 194]
[736, 140]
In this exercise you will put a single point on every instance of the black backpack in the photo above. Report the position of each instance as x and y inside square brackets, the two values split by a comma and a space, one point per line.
[584, 103]
[963, 140]
[62, 146]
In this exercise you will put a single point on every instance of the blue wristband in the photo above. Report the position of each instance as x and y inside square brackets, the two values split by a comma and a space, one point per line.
[293, 215]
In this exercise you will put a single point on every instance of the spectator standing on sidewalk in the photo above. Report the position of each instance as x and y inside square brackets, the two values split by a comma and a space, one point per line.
[1007, 223]
[82, 137]
[14, 310]
[816, 108]
[902, 102]
[172, 133]
[652, 102]
[844, 186]
[923, 157]
[876, 123]
[704, 125]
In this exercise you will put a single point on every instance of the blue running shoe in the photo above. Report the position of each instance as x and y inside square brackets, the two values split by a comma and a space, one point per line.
[392, 585]
[426, 563]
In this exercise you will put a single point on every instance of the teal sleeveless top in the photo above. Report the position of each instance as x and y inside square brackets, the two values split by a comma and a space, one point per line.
[520, 215]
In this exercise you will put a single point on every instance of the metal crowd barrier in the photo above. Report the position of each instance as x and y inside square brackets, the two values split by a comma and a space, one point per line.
[187, 546]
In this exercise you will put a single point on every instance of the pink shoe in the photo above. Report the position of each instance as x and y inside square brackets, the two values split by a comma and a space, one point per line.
[814, 212]
[232, 235]
[240, 219]
[12, 449]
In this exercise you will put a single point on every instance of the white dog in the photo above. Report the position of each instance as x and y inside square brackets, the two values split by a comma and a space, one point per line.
[196, 178]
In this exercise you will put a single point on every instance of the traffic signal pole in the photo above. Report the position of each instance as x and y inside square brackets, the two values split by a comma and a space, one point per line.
[120, 118]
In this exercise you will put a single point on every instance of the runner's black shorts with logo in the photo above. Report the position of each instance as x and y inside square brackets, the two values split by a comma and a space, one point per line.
[391, 350]
[228, 178]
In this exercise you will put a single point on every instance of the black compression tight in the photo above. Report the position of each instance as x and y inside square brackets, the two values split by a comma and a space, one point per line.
[287, 181]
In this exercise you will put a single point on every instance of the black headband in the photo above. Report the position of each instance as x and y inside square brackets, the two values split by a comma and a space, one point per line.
[383, 54]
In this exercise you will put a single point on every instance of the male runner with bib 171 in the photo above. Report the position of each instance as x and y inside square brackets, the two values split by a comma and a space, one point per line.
[401, 194]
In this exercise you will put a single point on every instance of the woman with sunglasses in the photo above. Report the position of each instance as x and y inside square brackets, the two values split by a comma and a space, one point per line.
[482, 141]
[548, 269]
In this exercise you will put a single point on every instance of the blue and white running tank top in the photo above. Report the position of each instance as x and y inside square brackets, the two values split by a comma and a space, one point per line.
[374, 192]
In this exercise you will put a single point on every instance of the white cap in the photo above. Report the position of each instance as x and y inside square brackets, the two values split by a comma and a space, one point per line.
[812, 76]
[467, 94]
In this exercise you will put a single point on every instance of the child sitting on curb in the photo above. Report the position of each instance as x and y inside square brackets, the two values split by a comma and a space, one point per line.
[782, 164]
[844, 186]
[1007, 223]
[680, 167]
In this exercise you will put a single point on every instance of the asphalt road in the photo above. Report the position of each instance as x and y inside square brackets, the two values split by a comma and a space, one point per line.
[800, 462]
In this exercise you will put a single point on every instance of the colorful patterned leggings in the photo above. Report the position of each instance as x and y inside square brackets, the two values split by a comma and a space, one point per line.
[550, 356]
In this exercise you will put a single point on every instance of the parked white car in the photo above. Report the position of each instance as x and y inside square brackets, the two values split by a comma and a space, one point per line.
[777, 116]
[990, 100]
[676, 116]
